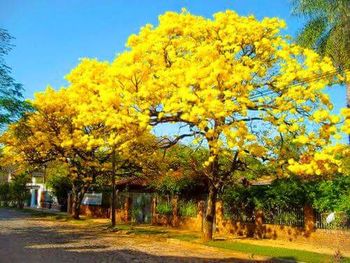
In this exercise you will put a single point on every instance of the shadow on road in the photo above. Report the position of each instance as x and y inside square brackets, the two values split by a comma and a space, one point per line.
[21, 242]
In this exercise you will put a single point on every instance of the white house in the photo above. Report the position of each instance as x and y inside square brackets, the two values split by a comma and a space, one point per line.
[40, 195]
[37, 193]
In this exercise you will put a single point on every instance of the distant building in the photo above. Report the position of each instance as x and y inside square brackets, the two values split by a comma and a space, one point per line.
[41, 196]
[37, 189]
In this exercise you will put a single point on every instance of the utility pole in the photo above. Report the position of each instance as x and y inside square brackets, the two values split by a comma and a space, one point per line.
[113, 187]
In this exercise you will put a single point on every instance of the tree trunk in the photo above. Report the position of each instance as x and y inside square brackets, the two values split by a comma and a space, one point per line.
[76, 206]
[113, 220]
[20, 204]
[348, 100]
[210, 214]
[175, 206]
[78, 196]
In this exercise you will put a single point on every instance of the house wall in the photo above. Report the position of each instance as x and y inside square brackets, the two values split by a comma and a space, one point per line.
[94, 211]
[36, 194]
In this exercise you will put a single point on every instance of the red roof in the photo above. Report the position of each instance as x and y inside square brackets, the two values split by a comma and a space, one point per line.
[133, 181]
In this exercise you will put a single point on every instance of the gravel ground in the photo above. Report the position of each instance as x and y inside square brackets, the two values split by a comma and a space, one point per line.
[24, 238]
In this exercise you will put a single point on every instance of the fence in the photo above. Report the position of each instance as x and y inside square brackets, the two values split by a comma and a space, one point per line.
[290, 225]
[293, 216]
[339, 220]
[140, 211]
[188, 208]
[239, 215]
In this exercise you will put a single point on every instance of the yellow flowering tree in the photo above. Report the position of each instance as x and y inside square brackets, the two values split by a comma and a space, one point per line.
[18, 150]
[50, 133]
[236, 84]
[329, 160]
[86, 125]
[346, 127]
[102, 107]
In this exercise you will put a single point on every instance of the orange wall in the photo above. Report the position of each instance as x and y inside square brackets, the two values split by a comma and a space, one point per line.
[226, 227]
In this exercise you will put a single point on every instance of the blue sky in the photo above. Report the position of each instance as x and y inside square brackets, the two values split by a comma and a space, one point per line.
[51, 36]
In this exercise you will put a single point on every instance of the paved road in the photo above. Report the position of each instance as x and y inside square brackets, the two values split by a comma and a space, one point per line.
[24, 238]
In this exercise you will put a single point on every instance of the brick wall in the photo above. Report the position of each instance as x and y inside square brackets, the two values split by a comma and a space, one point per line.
[95, 211]
[229, 228]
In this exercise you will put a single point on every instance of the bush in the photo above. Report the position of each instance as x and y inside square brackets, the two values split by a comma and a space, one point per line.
[341, 221]
[164, 208]
[5, 195]
[240, 201]
[61, 186]
[331, 195]
[18, 189]
[60, 183]
[188, 209]
[282, 202]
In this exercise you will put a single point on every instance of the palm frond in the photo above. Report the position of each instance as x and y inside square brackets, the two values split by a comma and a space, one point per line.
[311, 33]
[310, 8]
[327, 29]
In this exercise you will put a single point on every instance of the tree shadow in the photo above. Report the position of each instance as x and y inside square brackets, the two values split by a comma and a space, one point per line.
[48, 245]
[22, 242]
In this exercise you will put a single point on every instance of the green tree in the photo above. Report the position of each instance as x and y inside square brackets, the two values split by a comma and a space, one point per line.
[327, 30]
[60, 182]
[178, 170]
[19, 190]
[331, 195]
[4, 194]
[12, 105]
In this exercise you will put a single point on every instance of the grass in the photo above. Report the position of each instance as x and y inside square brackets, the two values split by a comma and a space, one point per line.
[142, 231]
[156, 231]
[274, 252]
[137, 230]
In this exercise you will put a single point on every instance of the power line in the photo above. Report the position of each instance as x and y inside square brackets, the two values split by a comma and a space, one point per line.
[304, 81]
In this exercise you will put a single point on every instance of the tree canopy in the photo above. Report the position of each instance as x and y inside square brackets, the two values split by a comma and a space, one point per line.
[11, 99]
[236, 83]
[327, 28]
